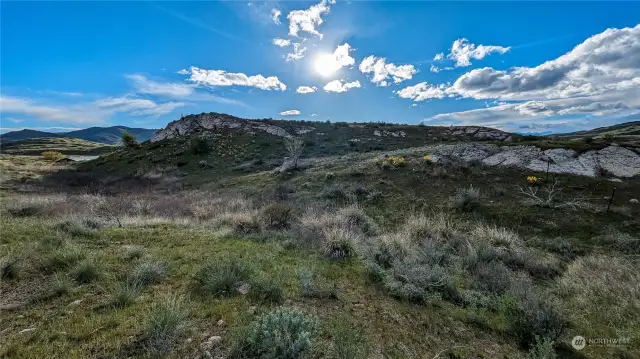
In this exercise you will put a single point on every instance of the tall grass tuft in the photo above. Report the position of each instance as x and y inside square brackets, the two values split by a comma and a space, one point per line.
[223, 276]
[167, 321]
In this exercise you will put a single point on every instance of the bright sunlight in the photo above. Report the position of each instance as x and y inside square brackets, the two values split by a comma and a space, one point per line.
[326, 65]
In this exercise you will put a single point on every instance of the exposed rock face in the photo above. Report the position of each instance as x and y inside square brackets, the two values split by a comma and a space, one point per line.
[385, 133]
[615, 160]
[213, 121]
[479, 133]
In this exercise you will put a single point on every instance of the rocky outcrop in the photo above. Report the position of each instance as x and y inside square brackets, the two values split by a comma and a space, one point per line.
[613, 160]
[215, 121]
[478, 133]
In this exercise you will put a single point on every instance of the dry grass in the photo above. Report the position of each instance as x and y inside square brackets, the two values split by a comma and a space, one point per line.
[604, 291]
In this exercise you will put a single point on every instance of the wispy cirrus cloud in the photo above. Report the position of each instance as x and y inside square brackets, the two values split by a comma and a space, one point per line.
[48, 112]
[222, 78]
[146, 86]
[137, 106]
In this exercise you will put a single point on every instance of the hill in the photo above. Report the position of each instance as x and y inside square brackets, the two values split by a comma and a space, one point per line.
[25, 135]
[454, 239]
[66, 146]
[111, 135]
[107, 135]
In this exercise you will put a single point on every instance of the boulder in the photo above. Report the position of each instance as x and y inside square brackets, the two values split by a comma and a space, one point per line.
[618, 161]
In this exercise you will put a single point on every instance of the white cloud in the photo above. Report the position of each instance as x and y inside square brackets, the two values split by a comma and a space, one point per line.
[183, 72]
[423, 91]
[298, 52]
[281, 42]
[382, 71]
[63, 114]
[434, 68]
[339, 87]
[306, 89]
[462, 52]
[223, 78]
[314, 115]
[606, 63]
[275, 16]
[338, 59]
[137, 106]
[439, 57]
[146, 86]
[290, 113]
[308, 20]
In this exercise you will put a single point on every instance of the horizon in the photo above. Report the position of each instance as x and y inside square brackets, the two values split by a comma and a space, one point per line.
[407, 63]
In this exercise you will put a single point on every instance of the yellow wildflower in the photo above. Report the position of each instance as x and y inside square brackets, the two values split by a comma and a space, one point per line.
[428, 158]
[532, 179]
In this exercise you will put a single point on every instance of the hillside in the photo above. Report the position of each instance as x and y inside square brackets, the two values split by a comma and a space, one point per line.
[110, 135]
[25, 135]
[383, 241]
[107, 135]
[66, 146]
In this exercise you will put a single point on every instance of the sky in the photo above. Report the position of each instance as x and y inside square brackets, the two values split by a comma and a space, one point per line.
[527, 67]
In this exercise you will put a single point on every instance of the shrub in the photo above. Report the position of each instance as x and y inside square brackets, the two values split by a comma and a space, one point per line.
[534, 314]
[129, 141]
[147, 273]
[62, 257]
[493, 277]
[200, 146]
[277, 215]
[87, 271]
[134, 252]
[10, 268]
[25, 210]
[465, 199]
[166, 323]
[52, 155]
[267, 291]
[357, 219]
[339, 243]
[222, 277]
[542, 349]
[124, 293]
[61, 286]
[280, 334]
[244, 222]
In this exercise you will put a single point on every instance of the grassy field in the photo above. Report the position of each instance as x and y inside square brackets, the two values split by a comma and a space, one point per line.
[66, 146]
[179, 249]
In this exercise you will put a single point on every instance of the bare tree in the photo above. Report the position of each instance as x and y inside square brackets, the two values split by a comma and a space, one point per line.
[294, 146]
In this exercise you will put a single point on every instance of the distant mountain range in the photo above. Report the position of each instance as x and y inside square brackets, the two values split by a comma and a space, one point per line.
[108, 135]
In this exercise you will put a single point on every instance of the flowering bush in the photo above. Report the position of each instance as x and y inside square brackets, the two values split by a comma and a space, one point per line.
[396, 161]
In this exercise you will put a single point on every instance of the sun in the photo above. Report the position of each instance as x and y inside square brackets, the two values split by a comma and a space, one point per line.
[326, 65]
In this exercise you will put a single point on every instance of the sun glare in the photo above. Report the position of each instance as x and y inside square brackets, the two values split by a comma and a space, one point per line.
[326, 65]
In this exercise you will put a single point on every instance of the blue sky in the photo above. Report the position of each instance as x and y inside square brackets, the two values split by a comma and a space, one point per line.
[523, 67]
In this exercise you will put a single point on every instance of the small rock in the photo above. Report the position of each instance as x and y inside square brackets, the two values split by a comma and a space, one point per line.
[617, 180]
[220, 322]
[27, 330]
[633, 200]
[75, 303]
[215, 340]
[244, 288]
[189, 340]
[252, 309]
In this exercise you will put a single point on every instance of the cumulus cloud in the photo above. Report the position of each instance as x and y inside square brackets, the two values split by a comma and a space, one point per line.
[281, 42]
[423, 91]
[183, 72]
[64, 114]
[298, 52]
[338, 59]
[434, 68]
[462, 52]
[146, 86]
[290, 113]
[222, 78]
[339, 87]
[308, 20]
[275, 16]
[137, 106]
[439, 57]
[306, 89]
[382, 71]
[604, 63]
